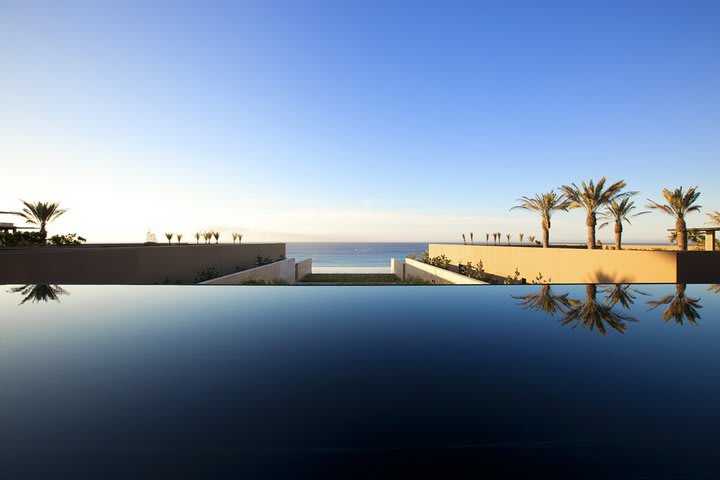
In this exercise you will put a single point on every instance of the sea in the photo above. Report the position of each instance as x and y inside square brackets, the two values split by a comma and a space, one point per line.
[352, 257]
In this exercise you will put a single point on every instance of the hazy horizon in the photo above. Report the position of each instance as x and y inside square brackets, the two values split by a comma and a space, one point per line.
[353, 121]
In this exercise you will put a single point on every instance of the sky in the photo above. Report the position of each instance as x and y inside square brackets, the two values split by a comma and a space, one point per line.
[352, 120]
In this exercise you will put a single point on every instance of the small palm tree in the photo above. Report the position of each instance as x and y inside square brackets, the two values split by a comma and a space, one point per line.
[508, 235]
[545, 205]
[487, 238]
[216, 235]
[592, 197]
[472, 239]
[234, 237]
[169, 238]
[619, 212]
[678, 204]
[197, 238]
[207, 236]
[531, 239]
[239, 238]
[41, 213]
[521, 235]
[464, 242]
[714, 217]
[178, 236]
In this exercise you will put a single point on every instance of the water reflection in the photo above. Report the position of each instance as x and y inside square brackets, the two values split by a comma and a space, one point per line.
[680, 306]
[715, 288]
[40, 293]
[593, 314]
[606, 314]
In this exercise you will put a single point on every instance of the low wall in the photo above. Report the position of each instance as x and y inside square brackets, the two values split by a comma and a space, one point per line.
[414, 269]
[303, 268]
[283, 270]
[134, 264]
[571, 265]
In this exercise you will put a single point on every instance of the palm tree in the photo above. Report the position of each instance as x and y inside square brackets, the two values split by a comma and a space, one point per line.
[207, 236]
[521, 235]
[216, 235]
[472, 239]
[678, 204]
[508, 235]
[487, 238]
[41, 213]
[464, 242]
[179, 237]
[545, 205]
[680, 307]
[197, 238]
[714, 217]
[592, 197]
[619, 212]
[693, 236]
[169, 238]
[531, 239]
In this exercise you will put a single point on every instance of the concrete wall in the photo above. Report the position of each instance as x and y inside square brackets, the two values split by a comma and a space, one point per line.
[283, 271]
[570, 265]
[397, 268]
[423, 271]
[303, 268]
[127, 264]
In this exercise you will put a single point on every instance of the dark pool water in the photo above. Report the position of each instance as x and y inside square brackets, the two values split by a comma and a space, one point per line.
[360, 382]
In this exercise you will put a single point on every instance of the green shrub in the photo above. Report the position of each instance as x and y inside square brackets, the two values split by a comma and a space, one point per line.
[21, 239]
[207, 274]
[69, 239]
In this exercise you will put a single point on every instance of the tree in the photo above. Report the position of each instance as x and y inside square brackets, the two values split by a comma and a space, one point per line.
[592, 197]
[714, 218]
[169, 238]
[678, 204]
[545, 205]
[680, 306]
[619, 212]
[41, 213]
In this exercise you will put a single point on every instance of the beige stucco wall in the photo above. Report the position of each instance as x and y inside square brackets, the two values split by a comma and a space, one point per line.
[423, 271]
[127, 264]
[284, 270]
[303, 268]
[572, 265]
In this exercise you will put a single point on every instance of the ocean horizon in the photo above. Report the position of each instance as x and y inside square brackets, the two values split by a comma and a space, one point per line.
[352, 257]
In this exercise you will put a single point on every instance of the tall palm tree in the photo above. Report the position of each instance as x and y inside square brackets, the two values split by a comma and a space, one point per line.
[678, 204]
[621, 294]
[545, 205]
[619, 212]
[41, 213]
[714, 217]
[680, 306]
[592, 197]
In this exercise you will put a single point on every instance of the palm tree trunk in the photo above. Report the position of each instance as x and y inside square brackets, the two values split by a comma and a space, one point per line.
[591, 291]
[681, 234]
[590, 222]
[618, 236]
[546, 232]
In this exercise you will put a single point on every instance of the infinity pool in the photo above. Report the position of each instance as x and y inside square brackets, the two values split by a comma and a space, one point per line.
[360, 382]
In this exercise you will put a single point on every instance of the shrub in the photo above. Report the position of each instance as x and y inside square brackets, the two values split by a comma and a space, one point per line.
[207, 274]
[21, 239]
[69, 239]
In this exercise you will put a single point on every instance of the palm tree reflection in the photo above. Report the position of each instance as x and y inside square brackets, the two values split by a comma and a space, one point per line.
[594, 314]
[680, 307]
[625, 295]
[40, 293]
[544, 300]
[715, 287]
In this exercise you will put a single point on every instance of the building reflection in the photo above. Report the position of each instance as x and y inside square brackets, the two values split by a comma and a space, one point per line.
[680, 307]
[39, 293]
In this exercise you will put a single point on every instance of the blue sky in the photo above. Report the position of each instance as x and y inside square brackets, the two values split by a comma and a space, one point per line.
[338, 120]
